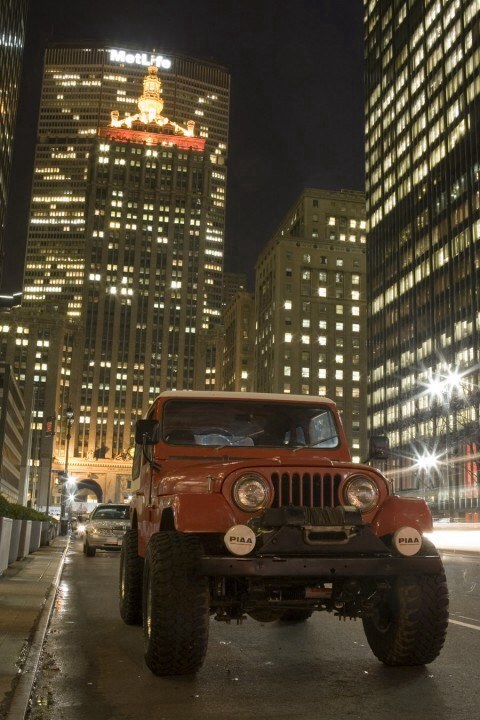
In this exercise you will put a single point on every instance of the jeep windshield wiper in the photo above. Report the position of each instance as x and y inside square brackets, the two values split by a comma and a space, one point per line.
[317, 445]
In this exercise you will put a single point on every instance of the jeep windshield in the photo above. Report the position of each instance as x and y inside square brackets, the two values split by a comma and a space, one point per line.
[220, 423]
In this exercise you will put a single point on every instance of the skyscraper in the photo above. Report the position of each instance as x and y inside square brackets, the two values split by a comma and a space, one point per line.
[81, 87]
[310, 306]
[78, 212]
[13, 16]
[423, 210]
[150, 286]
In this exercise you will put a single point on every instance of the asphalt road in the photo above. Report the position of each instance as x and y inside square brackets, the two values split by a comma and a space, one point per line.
[92, 667]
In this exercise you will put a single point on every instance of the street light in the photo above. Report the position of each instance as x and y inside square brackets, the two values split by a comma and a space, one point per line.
[70, 416]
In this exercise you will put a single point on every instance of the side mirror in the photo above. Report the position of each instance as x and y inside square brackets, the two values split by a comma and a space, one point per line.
[147, 432]
[378, 448]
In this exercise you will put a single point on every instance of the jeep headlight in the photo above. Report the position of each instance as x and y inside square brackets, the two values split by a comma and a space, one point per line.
[251, 492]
[361, 492]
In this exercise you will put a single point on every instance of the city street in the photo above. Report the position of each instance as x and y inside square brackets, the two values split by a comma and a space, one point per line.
[92, 666]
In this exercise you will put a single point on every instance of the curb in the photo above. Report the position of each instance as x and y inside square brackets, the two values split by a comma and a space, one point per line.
[19, 706]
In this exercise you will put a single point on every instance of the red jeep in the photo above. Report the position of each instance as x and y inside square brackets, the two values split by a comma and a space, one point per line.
[249, 504]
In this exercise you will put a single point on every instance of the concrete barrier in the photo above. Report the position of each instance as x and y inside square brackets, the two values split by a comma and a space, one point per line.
[35, 535]
[5, 537]
[14, 540]
[24, 544]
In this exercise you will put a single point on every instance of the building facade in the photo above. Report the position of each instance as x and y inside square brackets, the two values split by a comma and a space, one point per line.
[237, 349]
[232, 284]
[150, 287]
[13, 18]
[423, 210]
[310, 301]
[87, 239]
[38, 344]
[81, 87]
[12, 413]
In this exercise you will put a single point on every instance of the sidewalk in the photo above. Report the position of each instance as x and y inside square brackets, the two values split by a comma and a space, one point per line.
[27, 594]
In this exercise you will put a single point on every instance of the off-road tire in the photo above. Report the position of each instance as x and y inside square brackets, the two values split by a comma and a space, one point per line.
[130, 580]
[89, 551]
[296, 616]
[175, 605]
[409, 628]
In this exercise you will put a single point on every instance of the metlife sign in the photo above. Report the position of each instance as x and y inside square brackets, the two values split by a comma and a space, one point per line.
[140, 58]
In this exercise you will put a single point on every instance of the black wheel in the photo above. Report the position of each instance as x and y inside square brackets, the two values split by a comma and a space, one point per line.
[410, 625]
[90, 551]
[296, 616]
[131, 579]
[175, 605]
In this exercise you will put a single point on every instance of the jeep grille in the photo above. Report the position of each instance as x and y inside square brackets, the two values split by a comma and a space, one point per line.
[306, 488]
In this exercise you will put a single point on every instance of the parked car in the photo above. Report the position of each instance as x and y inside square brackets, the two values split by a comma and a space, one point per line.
[250, 504]
[105, 528]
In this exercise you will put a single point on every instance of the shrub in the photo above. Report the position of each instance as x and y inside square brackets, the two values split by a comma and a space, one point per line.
[20, 512]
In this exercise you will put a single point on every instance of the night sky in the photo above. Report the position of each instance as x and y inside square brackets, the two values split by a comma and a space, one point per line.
[296, 98]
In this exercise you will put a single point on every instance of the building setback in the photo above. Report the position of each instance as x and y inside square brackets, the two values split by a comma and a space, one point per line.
[13, 16]
[311, 306]
[423, 210]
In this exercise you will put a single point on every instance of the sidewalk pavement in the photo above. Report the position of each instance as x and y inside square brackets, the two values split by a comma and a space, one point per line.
[27, 594]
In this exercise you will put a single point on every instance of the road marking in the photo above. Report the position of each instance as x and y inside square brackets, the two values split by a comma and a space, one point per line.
[457, 622]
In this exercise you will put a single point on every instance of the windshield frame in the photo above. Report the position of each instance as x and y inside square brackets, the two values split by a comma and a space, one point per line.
[272, 424]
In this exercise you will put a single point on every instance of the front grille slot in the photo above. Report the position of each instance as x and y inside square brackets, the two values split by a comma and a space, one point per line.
[305, 489]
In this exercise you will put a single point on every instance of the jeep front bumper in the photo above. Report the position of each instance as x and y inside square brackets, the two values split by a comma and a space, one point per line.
[326, 569]
[324, 544]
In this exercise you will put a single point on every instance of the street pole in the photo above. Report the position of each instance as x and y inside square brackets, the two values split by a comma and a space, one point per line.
[447, 433]
[63, 504]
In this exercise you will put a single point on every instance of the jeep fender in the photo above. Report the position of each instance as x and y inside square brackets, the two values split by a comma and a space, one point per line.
[397, 512]
[199, 513]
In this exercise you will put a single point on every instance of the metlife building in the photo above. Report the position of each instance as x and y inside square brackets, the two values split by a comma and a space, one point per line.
[81, 87]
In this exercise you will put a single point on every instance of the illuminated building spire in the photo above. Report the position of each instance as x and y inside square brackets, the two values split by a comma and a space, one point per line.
[150, 105]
